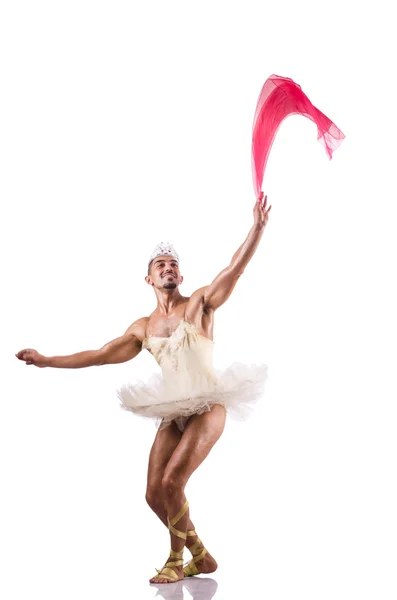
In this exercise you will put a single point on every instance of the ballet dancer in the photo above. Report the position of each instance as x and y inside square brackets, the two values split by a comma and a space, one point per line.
[189, 400]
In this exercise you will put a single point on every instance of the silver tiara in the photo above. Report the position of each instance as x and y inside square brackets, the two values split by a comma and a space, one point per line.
[164, 249]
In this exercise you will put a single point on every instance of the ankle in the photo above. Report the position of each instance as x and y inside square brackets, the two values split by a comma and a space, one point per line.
[196, 546]
[191, 539]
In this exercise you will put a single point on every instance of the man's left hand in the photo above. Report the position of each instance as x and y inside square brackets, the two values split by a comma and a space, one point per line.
[261, 213]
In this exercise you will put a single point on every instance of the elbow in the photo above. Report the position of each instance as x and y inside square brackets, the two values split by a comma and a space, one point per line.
[236, 269]
[101, 357]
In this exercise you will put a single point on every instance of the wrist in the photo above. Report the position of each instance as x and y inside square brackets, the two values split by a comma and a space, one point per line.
[258, 227]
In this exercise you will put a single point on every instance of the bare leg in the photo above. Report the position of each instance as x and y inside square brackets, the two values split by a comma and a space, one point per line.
[200, 435]
[164, 445]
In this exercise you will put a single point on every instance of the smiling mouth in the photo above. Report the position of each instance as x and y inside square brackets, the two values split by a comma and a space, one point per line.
[169, 275]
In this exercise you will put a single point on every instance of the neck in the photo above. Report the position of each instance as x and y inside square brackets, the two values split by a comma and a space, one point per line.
[168, 300]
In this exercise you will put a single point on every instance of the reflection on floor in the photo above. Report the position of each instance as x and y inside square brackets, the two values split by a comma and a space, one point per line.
[199, 588]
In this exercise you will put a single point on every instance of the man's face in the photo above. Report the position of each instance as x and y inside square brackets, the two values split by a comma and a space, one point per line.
[164, 273]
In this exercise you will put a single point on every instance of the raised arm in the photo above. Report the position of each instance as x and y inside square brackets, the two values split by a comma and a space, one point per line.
[119, 350]
[222, 286]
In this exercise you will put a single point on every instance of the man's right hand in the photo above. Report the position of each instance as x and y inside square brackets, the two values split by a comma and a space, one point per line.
[32, 357]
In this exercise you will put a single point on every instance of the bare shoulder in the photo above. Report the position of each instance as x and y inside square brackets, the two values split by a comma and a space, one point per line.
[196, 306]
[197, 297]
[138, 328]
[197, 312]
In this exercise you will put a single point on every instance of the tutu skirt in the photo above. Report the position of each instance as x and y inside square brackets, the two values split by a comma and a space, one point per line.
[237, 388]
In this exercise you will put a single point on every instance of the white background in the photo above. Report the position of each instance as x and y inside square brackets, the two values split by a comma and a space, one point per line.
[127, 123]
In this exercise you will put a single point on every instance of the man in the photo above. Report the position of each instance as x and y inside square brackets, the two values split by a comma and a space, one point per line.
[192, 423]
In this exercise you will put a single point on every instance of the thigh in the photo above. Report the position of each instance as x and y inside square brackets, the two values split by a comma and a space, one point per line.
[199, 437]
[164, 444]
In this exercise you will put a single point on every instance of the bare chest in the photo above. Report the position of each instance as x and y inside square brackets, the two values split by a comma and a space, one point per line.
[165, 326]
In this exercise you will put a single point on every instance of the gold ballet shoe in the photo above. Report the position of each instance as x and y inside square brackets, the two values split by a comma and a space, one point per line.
[167, 572]
[198, 551]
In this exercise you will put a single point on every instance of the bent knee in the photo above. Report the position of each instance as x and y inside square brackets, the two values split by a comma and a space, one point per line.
[170, 485]
[154, 497]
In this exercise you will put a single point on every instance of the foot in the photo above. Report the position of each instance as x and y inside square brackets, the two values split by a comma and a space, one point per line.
[168, 574]
[207, 564]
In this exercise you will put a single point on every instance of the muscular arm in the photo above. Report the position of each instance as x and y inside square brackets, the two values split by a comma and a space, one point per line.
[119, 350]
[222, 286]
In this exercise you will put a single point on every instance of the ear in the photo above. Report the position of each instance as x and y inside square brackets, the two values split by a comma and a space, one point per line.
[181, 278]
[148, 280]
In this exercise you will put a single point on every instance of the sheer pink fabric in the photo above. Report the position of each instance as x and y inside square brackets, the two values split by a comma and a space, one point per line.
[279, 98]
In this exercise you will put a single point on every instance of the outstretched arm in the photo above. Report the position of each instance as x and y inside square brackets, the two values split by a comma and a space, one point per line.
[220, 289]
[119, 350]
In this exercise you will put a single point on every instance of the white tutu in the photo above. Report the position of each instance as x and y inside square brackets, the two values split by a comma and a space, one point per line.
[189, 384]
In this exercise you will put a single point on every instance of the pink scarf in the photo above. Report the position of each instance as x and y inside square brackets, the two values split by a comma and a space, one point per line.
[279, 98]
